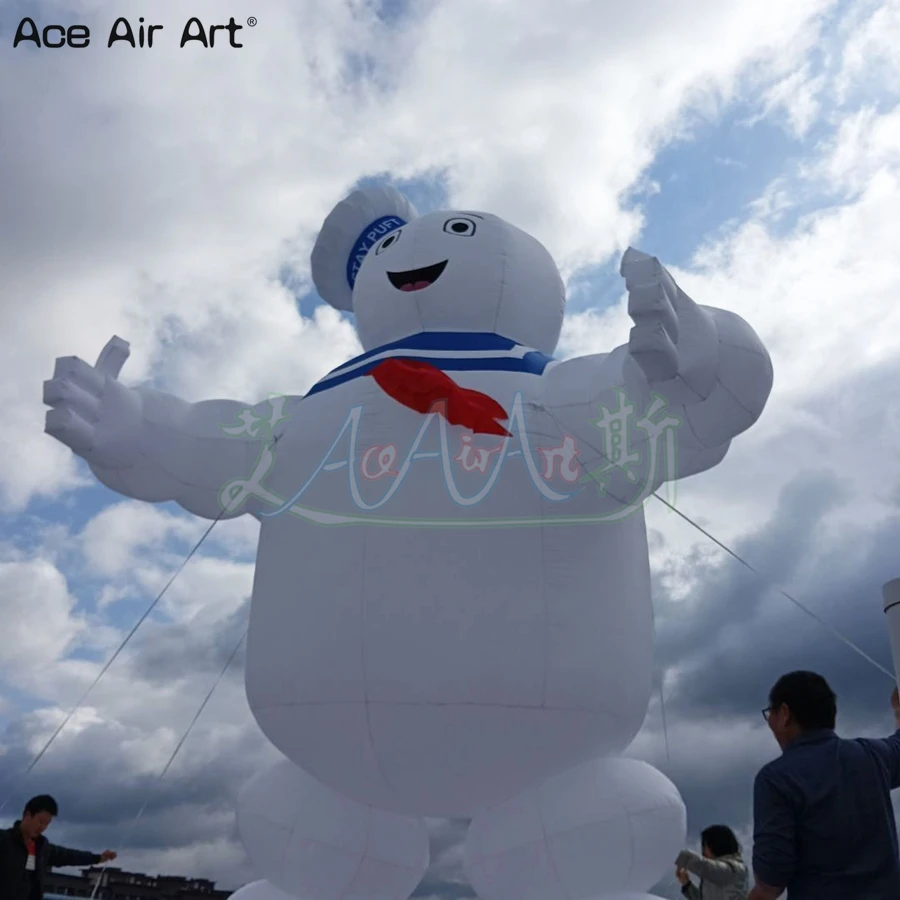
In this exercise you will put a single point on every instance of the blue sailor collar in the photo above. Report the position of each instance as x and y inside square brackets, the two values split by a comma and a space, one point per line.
[450, 351]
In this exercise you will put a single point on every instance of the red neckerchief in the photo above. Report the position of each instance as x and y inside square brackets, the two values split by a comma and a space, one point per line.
[425, 388]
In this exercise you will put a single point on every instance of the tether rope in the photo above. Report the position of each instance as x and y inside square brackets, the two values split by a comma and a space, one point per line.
[168, 765]
[115, 655]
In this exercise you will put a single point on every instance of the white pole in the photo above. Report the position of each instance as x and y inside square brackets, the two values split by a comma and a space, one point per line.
[891, 593]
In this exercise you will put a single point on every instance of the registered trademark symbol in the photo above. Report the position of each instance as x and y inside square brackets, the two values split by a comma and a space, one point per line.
[252, 21]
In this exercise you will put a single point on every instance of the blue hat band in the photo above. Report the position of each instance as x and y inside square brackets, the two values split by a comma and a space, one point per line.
[370, 235]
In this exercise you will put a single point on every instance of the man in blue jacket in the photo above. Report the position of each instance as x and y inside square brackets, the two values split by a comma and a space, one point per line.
[824, 827]
[25, 854]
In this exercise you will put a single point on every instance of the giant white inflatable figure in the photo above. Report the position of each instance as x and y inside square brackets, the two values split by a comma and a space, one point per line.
[451, 613]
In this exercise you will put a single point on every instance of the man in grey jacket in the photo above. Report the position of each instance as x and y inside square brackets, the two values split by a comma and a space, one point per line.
[25, 854]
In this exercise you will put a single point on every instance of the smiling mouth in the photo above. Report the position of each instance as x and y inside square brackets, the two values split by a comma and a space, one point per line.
[416, 279]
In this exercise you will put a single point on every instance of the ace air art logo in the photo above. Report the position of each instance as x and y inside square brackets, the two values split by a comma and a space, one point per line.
[638, 445]
[141, 35]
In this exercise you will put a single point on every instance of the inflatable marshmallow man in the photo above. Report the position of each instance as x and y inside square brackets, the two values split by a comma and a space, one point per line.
[451, 613]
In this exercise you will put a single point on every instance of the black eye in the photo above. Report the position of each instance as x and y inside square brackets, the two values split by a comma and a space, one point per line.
[461, 227]
[389, 241]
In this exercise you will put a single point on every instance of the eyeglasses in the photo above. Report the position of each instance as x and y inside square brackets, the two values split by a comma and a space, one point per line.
[767, 712]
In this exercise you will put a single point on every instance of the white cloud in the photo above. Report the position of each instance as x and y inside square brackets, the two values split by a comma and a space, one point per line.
[870, 60]
[207, 592]
[866, 145]
[822, 297]
[172, 212]
[112, 538]
[38, 621]
[798, 95]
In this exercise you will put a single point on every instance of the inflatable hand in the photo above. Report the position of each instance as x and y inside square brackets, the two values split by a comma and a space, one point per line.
[652, 295]
[709, 361]
[94, 415]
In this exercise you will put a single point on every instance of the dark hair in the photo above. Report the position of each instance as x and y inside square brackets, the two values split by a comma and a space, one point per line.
[41, 803]
[809, 698]
[720, 840]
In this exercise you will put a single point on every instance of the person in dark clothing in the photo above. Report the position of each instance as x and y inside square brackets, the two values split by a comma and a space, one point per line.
[25, 854]
[824, 827]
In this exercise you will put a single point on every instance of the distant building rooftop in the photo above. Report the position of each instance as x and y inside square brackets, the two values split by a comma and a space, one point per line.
[118, 885]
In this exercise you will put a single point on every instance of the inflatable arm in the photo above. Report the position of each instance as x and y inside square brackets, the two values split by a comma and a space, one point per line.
[703, 367]
[153, 446]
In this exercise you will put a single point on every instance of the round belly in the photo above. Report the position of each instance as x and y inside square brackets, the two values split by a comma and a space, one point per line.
[433, 670]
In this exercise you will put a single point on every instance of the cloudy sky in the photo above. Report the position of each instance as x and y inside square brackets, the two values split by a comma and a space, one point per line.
[171, 196]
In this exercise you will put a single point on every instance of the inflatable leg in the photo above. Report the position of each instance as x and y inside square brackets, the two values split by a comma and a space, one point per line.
[611, 826]
[316, 844]
[261, 890]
